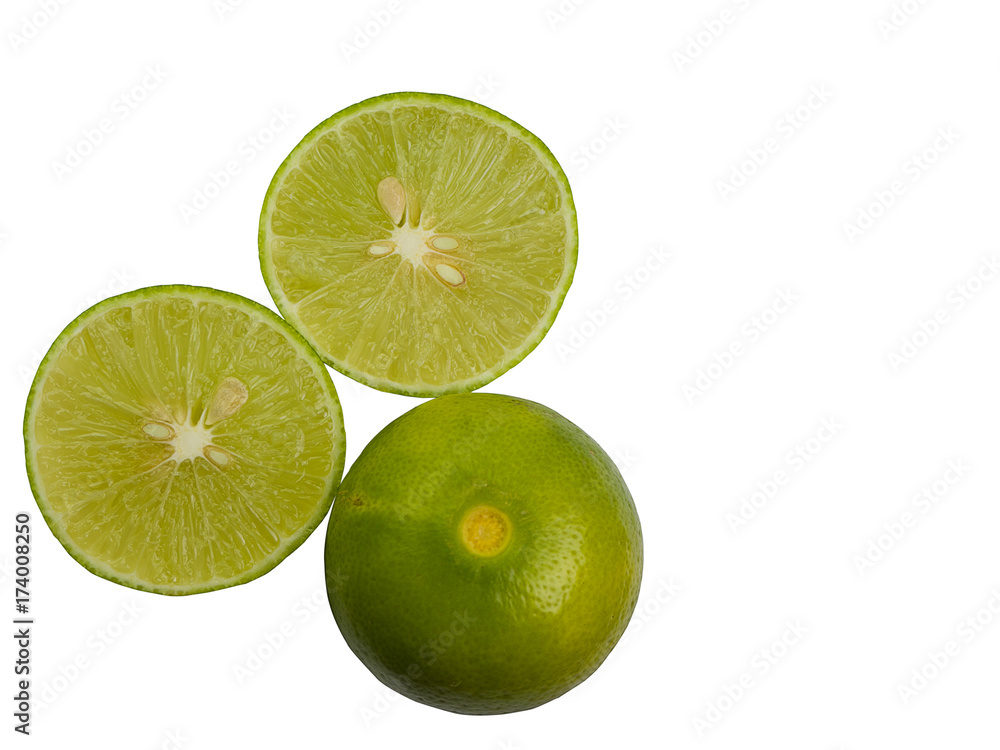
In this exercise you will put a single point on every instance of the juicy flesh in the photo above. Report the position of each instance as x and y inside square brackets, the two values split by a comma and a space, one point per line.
[445, 289]
[136, 475]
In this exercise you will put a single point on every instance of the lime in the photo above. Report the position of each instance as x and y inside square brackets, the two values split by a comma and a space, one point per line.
[181, 439]
[483, 554]
[422, 244]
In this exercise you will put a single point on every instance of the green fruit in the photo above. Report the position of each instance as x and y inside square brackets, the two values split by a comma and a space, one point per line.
[483, 555]
[422, 244]
[181, 439]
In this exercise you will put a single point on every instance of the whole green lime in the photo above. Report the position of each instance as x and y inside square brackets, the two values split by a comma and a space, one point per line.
[483, 555]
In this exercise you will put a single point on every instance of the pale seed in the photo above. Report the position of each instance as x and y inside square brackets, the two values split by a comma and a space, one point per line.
[392, 198]
[217, 456]
[450, 274]
[379, 249]
[158, 431]
[444, 243]
[229, 397]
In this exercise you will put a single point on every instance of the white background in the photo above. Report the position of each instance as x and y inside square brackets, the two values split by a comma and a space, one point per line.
[646, 138]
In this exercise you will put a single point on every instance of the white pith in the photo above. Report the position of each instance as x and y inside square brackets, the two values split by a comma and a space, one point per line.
[190, 439]
[414, 243]
[190, 442]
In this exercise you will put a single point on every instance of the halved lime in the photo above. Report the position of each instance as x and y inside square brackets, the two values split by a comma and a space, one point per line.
[422, 244]
[182, 439]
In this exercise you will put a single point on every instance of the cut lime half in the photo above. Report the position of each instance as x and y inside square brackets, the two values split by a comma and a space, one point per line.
[181, 439]
[423, 244]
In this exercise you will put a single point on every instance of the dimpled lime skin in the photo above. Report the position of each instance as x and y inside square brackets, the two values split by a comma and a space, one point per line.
[467, 633]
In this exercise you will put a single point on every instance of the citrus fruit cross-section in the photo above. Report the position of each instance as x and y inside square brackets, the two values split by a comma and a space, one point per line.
[423, 244]
[483, 554]
[181, 439]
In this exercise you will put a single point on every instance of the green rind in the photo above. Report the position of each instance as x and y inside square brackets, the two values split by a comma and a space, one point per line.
[309, 354]
[396, 571]
[544, 324]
